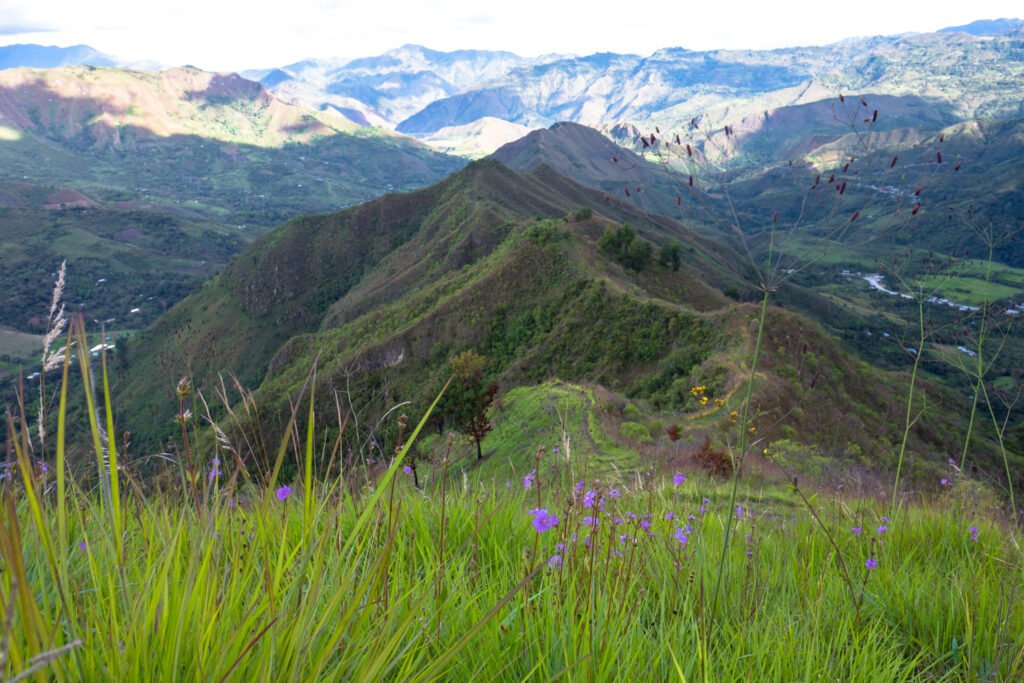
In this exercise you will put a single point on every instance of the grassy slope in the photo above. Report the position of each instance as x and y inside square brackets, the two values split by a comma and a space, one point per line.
[385, 293]
[329, 595]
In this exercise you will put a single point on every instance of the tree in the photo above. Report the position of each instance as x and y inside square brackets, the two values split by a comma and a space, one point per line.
[671, 256]
[468, 400]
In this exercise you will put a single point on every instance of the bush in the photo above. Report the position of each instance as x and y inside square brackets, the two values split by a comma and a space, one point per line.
[636, 432]
[715, 461]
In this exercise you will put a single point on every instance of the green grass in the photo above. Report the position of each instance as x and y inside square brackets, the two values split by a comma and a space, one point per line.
[969, 290]
[219, 569]
[253, 589]
[19, 345]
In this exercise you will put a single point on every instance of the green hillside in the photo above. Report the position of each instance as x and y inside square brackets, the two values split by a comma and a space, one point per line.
[150, 182]
[380, 297]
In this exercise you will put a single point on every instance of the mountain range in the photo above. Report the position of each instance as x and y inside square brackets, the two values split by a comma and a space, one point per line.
[973, 71]
[511, 257]
[632, 210]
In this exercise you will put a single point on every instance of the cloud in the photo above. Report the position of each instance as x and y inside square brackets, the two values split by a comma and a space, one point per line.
[18, 29]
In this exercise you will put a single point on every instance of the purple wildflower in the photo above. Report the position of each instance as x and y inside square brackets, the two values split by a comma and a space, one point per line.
[407, 469]
[871, 563]
[614, 493]
[882, 529]
[555, 562]
[542, 521]
[623, 537]
[973, 531]
[678, 478]
[578, 488]
[215, 469]
[529, 478]
[645, 525]
[856, 531]
[945, 482]
[588, 498]
[670, 515]
[82, 545]
[284, 492]
[680, 536]
[589, 521]
[618, 520]
[739, 511]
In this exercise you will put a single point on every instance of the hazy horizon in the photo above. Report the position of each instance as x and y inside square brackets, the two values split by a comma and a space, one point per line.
[226, 35]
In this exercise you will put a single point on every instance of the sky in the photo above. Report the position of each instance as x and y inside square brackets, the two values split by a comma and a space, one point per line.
[227, 35]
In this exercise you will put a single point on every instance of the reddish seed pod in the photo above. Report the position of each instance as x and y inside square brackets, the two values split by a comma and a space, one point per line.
[831, 178]
[842, 188]
[917, 207]
[678, 141]
[917, 192]
[615, 159]
[689, 150]
[626, 190]
[842, 99]
[957, 167]
[846, 167]
[874, 117]
[653, 139]
[893, 163]
[938, 157]
[657, 130]
[679, 200]
[775, 218]
[942, 138]
[856, 215]
[691, 181]
[863, 102]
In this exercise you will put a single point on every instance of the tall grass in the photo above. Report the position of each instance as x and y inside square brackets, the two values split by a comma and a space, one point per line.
[390, 583]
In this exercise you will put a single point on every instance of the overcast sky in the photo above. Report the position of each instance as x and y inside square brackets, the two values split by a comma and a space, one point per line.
[234, 35]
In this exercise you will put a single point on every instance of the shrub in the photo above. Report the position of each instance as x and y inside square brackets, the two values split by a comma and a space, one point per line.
[636, 432]
[715, 461]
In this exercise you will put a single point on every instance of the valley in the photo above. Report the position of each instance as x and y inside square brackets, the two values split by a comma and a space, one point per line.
[466, 365]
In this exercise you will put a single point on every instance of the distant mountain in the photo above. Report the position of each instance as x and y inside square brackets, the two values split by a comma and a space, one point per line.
[986, 27]
[148, 182]
[591, 159]
[674, 85]
[390, 87]
[51, 56]
[476, 139]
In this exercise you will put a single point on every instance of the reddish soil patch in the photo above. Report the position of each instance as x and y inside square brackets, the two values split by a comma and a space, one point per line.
[66, 199]
[129, 235]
